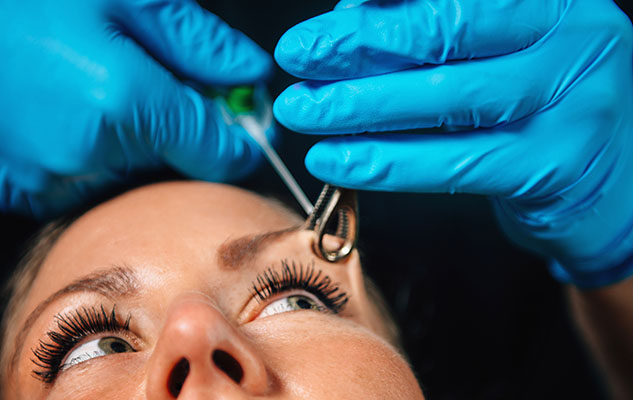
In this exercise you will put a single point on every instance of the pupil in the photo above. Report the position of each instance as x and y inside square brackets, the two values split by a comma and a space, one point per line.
[117, 347]
[304, 304]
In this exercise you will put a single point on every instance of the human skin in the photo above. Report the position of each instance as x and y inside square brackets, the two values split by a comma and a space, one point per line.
[192, 299]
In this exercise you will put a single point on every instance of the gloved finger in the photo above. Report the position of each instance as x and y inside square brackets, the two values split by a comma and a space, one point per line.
[425, 97]
[56, 194]
[512, 160]
[343, 4]
[28, 176]
[177, 124]
[415, 163]
[378, 36]
[33, 192]
[202, 145]
[194, 43]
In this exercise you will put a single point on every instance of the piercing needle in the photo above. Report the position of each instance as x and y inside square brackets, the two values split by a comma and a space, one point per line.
[251, 126]
[240, 102]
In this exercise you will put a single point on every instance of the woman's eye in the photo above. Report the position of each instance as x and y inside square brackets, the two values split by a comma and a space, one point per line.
[292, 303]
[97, 348]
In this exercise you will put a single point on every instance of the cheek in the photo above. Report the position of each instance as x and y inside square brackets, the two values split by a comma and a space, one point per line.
[104, 379]
[316, 363]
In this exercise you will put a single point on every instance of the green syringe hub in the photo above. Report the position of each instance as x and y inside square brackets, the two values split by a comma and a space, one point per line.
[240, 99]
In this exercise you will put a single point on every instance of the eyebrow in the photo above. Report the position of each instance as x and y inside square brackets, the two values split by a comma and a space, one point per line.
[236, 252]
[120, 281]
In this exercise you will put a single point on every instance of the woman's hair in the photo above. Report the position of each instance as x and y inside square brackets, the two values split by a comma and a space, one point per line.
[18, 286]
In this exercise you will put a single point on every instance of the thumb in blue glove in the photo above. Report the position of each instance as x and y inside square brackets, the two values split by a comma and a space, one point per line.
[93, 91]
[537, 95]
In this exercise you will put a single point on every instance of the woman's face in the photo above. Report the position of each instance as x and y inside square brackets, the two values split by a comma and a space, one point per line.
[166, 292]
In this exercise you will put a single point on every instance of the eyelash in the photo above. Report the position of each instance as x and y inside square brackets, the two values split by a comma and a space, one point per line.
[291, 276]
[75, 326]
[72, 329]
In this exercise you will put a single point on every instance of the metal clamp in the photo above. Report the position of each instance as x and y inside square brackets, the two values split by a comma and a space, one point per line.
[335, 213]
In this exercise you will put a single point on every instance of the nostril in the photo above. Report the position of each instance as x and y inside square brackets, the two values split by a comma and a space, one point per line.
[229, 365]
[177, 377]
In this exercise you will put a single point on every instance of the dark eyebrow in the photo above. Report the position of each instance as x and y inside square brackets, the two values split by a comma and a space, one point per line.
[121, 281]
[116, 282]
[235, 252]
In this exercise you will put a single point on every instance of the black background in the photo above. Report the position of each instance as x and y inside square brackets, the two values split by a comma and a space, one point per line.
[481, 319]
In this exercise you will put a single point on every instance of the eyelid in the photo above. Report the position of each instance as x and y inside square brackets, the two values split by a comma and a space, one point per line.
[294, 275]
[255, 306]
[129, 338]
[274, 283]
[72, 329]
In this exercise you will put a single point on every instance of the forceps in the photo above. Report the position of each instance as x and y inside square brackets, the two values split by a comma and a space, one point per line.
[336, 209]
[335, 213]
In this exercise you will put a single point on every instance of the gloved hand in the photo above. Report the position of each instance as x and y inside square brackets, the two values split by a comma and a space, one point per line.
[94, 90]
[535, 99]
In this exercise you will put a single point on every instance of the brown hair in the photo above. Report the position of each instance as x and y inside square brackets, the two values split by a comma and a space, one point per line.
[19, 285]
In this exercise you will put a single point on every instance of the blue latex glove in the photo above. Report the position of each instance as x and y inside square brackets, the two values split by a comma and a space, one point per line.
[536, 98]
[92, 91]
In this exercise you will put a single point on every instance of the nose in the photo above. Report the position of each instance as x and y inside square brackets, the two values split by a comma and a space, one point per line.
[200, 355]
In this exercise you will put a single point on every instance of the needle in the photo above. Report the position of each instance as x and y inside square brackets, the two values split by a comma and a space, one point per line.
[250, 124]
[240, 106]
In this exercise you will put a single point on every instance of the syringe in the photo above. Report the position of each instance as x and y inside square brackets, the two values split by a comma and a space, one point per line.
[240, 104]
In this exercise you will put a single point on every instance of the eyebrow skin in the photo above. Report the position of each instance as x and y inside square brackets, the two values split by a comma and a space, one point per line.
[236, 252]
[121, 281]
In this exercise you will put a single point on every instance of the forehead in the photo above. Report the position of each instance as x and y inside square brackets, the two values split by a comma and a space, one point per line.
[170, 221]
